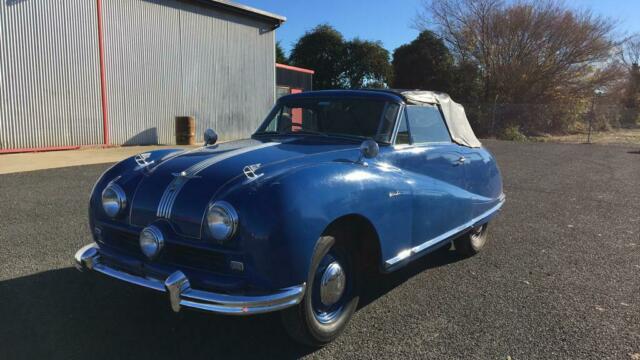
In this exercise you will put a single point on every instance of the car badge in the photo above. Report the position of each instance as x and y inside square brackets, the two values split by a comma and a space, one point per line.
[141, 160]
[250, 171]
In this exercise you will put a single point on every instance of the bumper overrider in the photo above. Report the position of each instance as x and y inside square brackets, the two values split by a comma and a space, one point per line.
[181, 294]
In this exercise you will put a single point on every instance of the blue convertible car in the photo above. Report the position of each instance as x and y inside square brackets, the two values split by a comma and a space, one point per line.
[332, 185]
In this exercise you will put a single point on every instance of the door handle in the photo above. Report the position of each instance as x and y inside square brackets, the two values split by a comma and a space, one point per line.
[460, 161]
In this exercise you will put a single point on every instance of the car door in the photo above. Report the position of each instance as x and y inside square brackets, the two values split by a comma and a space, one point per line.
[435, 165]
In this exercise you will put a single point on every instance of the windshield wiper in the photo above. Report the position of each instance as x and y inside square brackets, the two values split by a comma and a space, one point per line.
[348, 136]
[312, 132]
[269, 132]
[305, 132]
[287, 133]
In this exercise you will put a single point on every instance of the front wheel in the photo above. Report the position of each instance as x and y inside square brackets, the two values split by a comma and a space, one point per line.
[331, 297]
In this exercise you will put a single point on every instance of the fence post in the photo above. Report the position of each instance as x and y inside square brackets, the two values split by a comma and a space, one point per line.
[591, 116]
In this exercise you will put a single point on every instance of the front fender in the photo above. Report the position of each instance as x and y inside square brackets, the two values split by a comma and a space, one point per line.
[282, 218]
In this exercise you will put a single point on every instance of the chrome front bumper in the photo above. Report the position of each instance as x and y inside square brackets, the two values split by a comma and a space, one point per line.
[181, 294]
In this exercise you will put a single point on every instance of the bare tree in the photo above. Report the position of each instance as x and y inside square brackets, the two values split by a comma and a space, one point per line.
[630, 88]
[630, 50]
[528, 52]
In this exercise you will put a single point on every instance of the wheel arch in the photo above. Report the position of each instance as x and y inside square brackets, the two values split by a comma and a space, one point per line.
[364, 241]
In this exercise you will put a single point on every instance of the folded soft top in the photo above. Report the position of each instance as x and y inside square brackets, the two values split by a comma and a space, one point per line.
[454, 115]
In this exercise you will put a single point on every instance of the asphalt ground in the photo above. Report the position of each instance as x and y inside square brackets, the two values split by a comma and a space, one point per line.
[560, 278]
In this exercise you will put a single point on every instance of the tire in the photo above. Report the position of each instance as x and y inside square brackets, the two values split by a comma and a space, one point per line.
[472, 242]
[312, 322]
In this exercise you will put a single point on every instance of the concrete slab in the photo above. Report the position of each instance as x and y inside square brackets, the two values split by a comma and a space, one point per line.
[12, 163]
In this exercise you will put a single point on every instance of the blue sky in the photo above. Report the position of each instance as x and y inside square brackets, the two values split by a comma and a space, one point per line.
[390, 20]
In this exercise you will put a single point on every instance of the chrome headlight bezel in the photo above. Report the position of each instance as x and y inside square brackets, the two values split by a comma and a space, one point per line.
[116, 201]
[151, 241]
[221, 221]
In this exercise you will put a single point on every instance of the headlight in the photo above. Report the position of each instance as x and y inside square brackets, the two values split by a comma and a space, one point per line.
[151, 241]
[113, 200]
[222, 220]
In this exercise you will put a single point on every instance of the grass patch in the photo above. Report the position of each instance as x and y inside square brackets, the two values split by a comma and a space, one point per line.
[612, 137]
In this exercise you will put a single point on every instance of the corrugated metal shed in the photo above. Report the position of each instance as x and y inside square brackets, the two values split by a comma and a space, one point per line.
[178, 58]
[49, 84]
[210, 59]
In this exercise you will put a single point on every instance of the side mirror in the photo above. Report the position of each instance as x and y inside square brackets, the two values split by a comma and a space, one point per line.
[368, 150]
[210, 137]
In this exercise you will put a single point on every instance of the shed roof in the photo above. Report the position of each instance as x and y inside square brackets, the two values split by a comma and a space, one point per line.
[275, 19]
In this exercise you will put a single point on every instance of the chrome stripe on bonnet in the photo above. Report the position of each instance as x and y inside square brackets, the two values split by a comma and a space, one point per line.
[171, 192]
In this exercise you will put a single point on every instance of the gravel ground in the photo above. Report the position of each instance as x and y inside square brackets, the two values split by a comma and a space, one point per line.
[559, 279]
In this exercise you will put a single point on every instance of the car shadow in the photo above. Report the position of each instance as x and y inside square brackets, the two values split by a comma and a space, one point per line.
[67, 314]
[380, 284]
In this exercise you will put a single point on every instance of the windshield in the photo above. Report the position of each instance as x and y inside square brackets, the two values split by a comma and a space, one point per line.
[360, 118]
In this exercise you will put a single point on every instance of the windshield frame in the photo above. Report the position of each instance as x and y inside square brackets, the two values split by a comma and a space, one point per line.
[261, 130]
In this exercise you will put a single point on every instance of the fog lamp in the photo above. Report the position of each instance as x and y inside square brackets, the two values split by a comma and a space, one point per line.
[151, 241]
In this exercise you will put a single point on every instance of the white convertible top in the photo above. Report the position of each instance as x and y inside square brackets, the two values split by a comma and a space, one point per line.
[454, 115]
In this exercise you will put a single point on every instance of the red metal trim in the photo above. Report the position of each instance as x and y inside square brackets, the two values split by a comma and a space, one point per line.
[103, 79]
[50, 148]
[294, 68]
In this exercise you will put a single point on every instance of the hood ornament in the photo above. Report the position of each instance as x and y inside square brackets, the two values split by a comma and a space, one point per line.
[250, 171]
[141, 160]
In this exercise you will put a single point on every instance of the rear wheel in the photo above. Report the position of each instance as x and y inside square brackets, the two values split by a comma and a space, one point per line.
[472, 242]
[331, 296]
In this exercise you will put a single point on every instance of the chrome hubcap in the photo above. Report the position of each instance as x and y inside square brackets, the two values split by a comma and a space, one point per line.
[332, 284]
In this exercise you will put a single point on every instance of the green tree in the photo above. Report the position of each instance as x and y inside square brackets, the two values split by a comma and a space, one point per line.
[321, 49]
[425, 63]
[366, 64]
[281, 58]
[467, 85]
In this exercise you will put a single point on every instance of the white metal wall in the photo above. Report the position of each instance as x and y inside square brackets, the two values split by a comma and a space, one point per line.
[49, 74]
[169, 58]
[162, 59]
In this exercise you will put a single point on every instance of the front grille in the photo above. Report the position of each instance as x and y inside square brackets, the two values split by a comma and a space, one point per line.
[173, 254]
[180, 255]
[124, 241]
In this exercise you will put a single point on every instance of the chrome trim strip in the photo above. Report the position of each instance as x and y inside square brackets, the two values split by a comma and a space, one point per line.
[242, 305]
[171, 192]
[396, 126]
[181, 294]
[405, 254]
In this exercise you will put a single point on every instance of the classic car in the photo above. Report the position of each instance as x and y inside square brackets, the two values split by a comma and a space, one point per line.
[332, 186]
